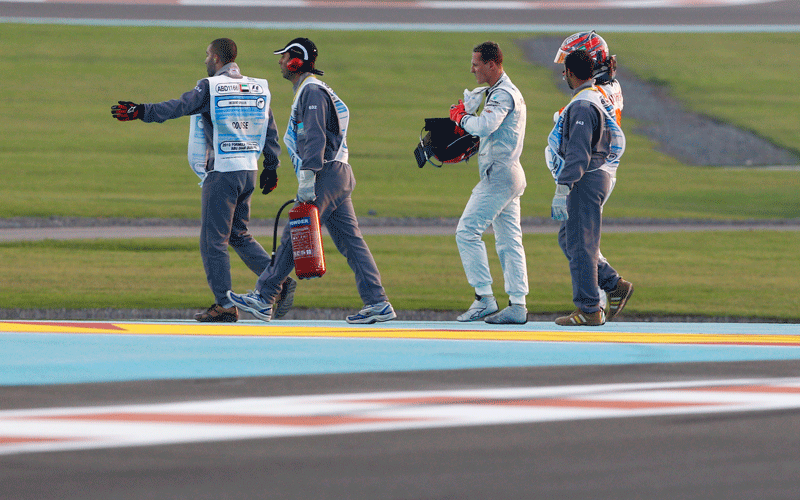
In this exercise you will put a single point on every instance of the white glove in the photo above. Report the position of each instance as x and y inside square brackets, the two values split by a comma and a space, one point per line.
[558, 210]
[305, 190]
[473, 99]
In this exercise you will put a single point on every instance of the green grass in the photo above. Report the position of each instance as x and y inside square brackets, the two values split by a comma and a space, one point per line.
[743, 274]
[63, 155]
[747, 79]
[69, 158]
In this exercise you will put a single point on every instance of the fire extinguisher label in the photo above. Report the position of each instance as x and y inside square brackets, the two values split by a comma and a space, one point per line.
[309, 258]
[303, 221]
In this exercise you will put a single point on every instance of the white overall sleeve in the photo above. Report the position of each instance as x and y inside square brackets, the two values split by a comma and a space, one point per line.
[497, 106]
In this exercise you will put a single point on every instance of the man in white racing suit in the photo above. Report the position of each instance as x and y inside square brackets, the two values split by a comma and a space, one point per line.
[495, 200]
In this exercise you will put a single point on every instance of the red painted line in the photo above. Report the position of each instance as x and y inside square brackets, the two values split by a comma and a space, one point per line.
[94, 326]
[19, 440]
[223, 419]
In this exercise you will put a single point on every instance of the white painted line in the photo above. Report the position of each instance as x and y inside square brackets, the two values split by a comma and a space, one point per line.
[59, 429]
[449, 28]
[440, 5]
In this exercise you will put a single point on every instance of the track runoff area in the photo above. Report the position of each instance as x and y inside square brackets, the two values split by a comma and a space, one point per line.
[113, 395]
[49, 353]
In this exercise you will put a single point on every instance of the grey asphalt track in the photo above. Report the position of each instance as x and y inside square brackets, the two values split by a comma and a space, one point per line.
[393, 15]
[728, 456]
[716, 456]
[44, 229]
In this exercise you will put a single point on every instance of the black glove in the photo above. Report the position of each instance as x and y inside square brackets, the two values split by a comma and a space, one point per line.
[126, 111]
[268, 180]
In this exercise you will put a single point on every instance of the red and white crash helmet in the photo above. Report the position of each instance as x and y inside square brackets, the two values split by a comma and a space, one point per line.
[589, 41]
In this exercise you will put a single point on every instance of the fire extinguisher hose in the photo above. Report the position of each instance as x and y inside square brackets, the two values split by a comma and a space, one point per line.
[275, 231]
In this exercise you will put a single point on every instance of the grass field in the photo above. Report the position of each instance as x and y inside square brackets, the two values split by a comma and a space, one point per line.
[65, 156]
[71, 159]
[746, 274]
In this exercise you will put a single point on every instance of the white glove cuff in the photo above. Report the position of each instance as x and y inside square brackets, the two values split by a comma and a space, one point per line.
[306, 177]
[473, 99]
[562, 189]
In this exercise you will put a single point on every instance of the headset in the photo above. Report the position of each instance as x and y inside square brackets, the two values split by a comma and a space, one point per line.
[294, 64]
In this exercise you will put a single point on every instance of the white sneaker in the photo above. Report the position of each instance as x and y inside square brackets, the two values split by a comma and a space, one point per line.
[253, 303]
[483, 306]
[382, 311]
[514, 314]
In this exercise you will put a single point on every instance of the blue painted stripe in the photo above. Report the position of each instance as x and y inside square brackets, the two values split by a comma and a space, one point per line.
[36, 359]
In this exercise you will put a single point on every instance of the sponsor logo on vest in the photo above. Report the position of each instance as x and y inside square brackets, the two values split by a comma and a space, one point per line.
[236, 103]
[236, 146]
[239, 88]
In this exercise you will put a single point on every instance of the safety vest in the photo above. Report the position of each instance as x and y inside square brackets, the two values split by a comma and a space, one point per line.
[555, 162]
[239, 109]
[342, 113]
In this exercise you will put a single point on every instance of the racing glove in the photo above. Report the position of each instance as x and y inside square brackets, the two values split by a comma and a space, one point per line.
[457, 112]
[126, 111]
[268, 180]
[558, 210]
[305, 190]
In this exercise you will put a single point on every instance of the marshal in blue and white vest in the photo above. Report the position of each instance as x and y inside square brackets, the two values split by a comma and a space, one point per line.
[239, 109]
[342, 113]
[555, 162]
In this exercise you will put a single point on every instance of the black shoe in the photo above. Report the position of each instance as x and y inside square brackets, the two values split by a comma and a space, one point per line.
[285, 299]
[218, 314]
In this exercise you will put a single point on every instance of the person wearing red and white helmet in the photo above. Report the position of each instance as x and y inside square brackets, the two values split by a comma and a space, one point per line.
[605, 68]
[604, 74]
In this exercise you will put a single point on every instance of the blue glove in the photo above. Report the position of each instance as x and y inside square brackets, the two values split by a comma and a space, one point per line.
[558, 210]
[305, 189]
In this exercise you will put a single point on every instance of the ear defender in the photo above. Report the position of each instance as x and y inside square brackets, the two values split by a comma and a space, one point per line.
[294, 64]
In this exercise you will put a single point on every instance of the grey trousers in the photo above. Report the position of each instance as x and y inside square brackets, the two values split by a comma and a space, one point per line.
[579, 239]
[225, 213]
[333, 187]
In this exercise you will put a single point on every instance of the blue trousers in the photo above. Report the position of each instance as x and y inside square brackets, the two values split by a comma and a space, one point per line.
[579, 239]
[333, 186]
[225, 213]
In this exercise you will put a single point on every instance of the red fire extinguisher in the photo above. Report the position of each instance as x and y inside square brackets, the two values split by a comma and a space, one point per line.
[304, 226]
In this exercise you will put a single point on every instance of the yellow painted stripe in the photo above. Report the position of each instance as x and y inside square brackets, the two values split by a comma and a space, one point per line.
[397, 333]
